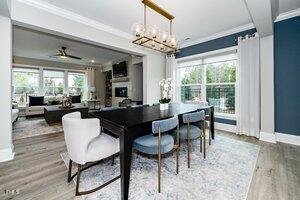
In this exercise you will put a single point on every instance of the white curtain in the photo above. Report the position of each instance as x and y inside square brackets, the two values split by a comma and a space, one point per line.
[247, 87]
[90, 77]
[171, 65]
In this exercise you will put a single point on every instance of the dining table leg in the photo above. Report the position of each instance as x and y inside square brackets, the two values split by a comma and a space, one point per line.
[125, 163]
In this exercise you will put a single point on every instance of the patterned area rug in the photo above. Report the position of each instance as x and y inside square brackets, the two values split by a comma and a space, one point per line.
[226, 173]
[34, 126]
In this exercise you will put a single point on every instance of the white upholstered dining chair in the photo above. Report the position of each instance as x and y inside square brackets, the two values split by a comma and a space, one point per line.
[85, 144]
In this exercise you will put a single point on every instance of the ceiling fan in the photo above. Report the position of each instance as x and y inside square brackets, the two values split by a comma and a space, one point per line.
[64, 55]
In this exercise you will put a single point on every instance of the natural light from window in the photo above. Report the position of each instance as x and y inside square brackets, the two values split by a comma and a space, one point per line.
[210, 80]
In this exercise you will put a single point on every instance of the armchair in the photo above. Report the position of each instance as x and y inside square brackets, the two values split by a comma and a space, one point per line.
[85, 143]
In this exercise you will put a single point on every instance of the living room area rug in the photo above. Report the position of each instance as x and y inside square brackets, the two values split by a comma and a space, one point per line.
[24, 128]
[226, 173]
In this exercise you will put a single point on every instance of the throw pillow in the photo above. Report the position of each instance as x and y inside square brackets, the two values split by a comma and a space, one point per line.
[76, 98]
[36, 101]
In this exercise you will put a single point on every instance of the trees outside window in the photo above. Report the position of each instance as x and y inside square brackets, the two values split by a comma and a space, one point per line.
[76, 82]
[53, 82]
[212, 81]
[25, 83]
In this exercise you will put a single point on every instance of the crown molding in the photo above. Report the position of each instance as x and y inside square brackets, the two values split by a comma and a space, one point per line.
[75, 17]
[287, 15]
[218, 35]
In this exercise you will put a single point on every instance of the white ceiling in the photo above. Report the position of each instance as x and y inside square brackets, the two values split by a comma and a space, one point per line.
[288, 5]
[194, 19]
[38, 45]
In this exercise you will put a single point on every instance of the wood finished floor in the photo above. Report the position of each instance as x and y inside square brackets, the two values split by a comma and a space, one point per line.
[38, 172]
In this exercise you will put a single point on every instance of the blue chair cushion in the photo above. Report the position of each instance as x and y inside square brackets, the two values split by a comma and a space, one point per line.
[194, 132]
[148, 144]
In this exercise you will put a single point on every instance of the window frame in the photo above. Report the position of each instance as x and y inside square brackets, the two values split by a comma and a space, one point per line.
[199, 58]
[41, 70]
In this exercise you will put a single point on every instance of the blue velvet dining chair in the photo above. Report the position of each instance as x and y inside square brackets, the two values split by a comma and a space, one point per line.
[159, 142]
[193, 128]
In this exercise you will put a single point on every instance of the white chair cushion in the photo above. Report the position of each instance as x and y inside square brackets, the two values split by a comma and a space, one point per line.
[102, 147]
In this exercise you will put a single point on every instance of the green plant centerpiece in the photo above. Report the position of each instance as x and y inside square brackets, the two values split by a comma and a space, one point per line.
[165, 93]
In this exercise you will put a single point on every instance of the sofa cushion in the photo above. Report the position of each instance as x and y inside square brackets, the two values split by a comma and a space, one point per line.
[36, 108]
[36, 100]
[75, 98]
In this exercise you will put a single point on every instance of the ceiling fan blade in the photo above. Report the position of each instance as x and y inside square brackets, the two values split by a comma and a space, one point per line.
[74, 57]
[55, 56]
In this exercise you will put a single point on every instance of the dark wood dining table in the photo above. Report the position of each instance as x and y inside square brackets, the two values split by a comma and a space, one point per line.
[131, 123]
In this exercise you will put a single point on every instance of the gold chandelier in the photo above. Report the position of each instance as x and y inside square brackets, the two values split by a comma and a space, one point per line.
[153, 38]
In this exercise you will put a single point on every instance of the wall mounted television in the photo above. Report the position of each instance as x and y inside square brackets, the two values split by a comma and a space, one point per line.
[120, 69]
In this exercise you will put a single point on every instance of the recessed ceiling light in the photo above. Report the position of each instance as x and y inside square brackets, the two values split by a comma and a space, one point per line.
[92, 61]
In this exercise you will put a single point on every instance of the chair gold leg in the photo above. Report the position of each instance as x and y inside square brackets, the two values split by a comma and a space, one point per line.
[204, 150]
[200, 142]
[188, 144]
[177, 150]
[159, 159]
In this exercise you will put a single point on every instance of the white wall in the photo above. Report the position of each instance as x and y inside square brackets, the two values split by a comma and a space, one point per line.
[6, 146]
[267, 85]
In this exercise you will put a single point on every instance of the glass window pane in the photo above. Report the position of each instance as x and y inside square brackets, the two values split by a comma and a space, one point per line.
[190, 93]
[76, 79]
[222, 97]
[25, 83]
[223, 72]
[190, 75]
[53, 82]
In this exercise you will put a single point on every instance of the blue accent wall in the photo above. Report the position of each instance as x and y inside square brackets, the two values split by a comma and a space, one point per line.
[212, 45]
[287, 76]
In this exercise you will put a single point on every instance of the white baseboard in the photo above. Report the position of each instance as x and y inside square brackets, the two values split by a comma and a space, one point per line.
[267, 137]
[6, 154]
[288, 138]
[225, 127]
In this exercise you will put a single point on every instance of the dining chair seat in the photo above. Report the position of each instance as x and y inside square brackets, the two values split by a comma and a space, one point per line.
[194, 132]
[101, 147]
[148, 144]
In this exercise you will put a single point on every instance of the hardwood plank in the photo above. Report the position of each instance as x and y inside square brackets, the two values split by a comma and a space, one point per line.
[39, 173]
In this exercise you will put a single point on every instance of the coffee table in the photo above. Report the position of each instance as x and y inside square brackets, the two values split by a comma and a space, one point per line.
[54, 114]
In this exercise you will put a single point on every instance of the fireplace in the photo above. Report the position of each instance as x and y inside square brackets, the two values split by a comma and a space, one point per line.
[121, 92]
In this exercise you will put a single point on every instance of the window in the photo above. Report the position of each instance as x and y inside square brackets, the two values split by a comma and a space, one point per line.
[25, 83]
[213, 81]
[190, 83]
[76, 82]
[46, 82]
[53, 82]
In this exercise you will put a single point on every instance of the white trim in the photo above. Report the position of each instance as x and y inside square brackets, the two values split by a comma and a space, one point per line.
[75, 17]
[206, 54]
[287, 15]
[287, 138]
[225, 127]
[218, 35]
[6, 154]
[267, 137]
[16, 65]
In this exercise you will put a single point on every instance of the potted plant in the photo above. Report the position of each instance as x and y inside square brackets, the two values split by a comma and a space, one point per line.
[165, 93]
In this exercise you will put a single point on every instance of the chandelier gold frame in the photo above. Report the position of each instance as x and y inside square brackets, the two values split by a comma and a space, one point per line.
[143, 40]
